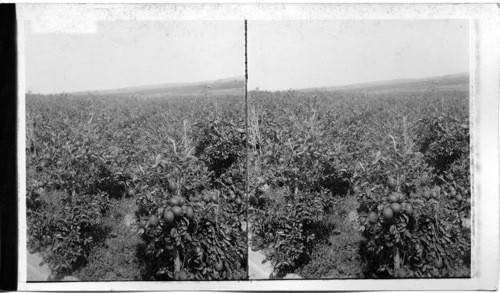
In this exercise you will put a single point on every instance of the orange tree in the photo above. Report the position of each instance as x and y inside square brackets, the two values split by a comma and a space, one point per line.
[192, 210]
[68, 187]
[411, 215]
[313, 147]
[296, 174]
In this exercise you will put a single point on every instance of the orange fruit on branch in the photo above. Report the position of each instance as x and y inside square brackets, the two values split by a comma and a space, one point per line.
[394, 197]
[175, 201]
[373, 217]
[177, 211]
[391, 182]
[396, 207]
[388, 213]
[172, 186]
[168, 216]
[408, 208]
[153, 220]
[189, 213]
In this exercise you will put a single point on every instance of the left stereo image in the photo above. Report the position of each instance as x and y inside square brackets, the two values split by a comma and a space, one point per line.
[135, 151]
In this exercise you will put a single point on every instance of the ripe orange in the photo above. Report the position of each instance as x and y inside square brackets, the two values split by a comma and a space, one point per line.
[153, 220]
[175, 201]
[396, 207]
[177, 211]
[373, 217]
[388, 213]
[408, 208]
[172, 186]
[219, 266]
[168, 216]
[438, 263]
[391, 182]
[189, 213]
[394, 197]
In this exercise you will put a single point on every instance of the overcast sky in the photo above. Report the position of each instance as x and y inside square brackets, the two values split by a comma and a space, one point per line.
[281, 54]
[302, 54]
[125, 54]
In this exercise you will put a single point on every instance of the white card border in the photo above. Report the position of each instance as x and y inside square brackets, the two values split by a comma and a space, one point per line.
[485, 68]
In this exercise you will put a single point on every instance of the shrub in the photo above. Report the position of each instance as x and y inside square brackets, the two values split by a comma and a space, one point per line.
[192, 219]
[65, 228]
[444, 140]
[412, 226]
[220, 145]
[289, 224]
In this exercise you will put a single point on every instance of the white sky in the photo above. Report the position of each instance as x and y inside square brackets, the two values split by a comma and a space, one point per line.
[281, 54]
[303, 54]
[125, 54]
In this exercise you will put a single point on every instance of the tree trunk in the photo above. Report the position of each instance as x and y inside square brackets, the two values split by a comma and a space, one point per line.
[177, 260]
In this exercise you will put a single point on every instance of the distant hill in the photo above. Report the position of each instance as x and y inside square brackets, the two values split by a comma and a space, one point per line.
[236, 86]
[459, 81]
[233, 86]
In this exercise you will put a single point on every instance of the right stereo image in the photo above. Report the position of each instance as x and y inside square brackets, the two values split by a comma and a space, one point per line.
[359, 149]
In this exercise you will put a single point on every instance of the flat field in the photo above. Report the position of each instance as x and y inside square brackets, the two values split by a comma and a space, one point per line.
[122, 188]
[361, 184]
[342, 184]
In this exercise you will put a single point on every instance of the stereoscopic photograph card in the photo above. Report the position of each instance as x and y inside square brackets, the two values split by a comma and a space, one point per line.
[258, 146]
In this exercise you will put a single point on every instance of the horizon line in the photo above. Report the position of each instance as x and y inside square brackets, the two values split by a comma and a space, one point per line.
[177, 84]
